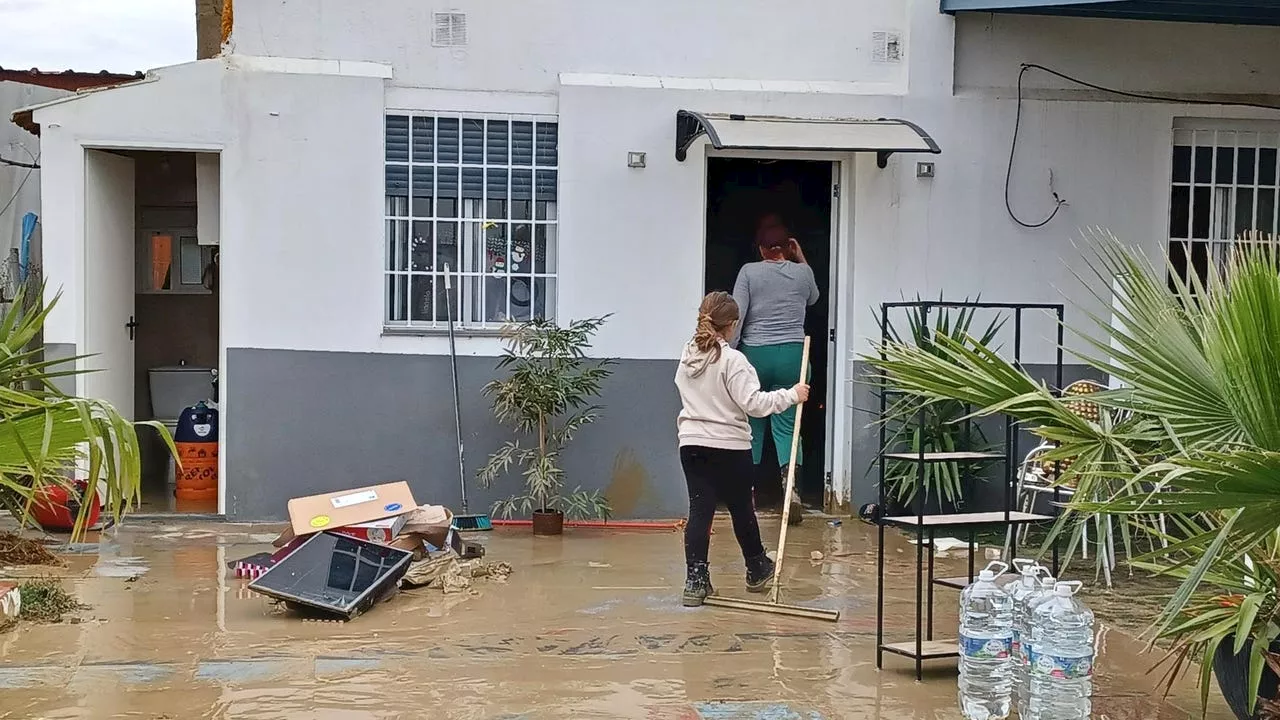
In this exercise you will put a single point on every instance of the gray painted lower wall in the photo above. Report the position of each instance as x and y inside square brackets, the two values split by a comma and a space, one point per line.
[312, 422]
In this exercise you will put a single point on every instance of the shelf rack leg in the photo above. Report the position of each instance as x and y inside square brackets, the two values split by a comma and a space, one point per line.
[930, 605]
[880, 601]
[919, 602]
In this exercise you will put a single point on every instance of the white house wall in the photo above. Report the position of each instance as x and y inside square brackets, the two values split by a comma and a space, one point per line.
[319, 397]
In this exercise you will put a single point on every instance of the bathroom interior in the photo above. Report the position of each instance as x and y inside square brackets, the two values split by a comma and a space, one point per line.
[176, 324]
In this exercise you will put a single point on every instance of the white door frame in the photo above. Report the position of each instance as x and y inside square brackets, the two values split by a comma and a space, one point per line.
[82, 257]
[838, 488]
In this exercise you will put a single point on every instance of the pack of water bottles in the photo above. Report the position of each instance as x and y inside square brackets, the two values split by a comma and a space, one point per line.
[1024, 644]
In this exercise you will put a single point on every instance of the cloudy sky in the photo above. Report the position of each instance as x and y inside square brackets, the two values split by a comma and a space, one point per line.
[92, 35]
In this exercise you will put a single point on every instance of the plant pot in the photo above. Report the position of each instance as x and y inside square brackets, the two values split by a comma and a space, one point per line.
[1232, 672]
[548, 522]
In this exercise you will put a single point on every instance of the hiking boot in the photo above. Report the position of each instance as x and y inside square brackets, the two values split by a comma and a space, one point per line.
[796, 514]
[697, 586]
[759, 572]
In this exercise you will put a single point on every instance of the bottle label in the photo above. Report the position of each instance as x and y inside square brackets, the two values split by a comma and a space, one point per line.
[985, 648]
[1062, 668]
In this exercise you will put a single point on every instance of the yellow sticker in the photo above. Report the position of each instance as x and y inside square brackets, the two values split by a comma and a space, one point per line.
[319, 521]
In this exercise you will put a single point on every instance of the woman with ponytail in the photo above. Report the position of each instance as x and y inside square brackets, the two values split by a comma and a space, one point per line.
[719, 391]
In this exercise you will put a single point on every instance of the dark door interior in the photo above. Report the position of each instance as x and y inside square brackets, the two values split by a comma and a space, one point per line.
[739, 191]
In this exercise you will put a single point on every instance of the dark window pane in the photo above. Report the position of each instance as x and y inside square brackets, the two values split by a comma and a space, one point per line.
[521, 194]
[1225, 170]
[397, 232]
[1201, 212]
[496, 142]
[397, 298]
[397, 138]
[447, 192]
[495, 247]
[496, 187]
[548, 182]
[1246, 165]
[447, 147]
[1181, 164]
[423, 139]
[521, 258]
[422, 252]
[421, 300]
[472, 183]
[1177, 263]
[548, 144]
[397, 182]
[1244, 211]
[446, 246]
[1267, 211]
[1179, 212]
[521, 298]
[473, 141]
[544, 298]
[1267, 166]
[1200, 261]
[521, 143]
[544, 249]
[423, 191]
[1203, 165]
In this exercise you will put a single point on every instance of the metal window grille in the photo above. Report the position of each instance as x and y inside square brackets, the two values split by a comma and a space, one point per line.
[1224, 186]
[477, 193]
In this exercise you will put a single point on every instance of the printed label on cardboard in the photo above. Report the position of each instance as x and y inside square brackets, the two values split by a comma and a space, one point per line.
[319, 521]
[392, 507]
[354, 498]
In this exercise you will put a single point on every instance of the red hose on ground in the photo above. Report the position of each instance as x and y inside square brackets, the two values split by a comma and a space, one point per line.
[603, 524]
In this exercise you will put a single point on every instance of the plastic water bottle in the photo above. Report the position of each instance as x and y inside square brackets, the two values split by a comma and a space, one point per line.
[1043, 591]
[1061, 655]
[986, 642]
[1026, 588]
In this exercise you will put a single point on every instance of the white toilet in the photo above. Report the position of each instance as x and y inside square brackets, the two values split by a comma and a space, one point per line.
[174, 389]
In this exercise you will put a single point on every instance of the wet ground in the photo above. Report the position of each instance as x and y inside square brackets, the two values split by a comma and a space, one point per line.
[588, 626]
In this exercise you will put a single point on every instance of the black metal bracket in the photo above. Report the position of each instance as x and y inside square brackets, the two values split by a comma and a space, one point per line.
[689, 127]
[882, 158]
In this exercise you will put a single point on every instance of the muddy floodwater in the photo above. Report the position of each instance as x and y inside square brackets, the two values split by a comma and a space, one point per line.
[588, 626]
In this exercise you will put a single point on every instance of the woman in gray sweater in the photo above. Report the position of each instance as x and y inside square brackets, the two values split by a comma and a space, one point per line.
[772, 296]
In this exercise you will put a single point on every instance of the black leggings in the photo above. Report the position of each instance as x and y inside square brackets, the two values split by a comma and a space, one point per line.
[716, 475]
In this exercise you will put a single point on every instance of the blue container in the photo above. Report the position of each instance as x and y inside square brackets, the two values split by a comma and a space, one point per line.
[197, 424]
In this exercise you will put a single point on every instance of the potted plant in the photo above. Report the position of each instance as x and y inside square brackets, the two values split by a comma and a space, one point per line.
[546, 397]
[943, 428]
[1191, 434]
[45, 433]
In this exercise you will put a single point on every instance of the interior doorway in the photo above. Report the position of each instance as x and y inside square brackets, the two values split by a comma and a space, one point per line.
[151, 310]
[739, 192]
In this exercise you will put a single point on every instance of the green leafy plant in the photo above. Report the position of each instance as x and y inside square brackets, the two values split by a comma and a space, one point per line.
[45, 435]
[1193, 432]
[914, 422]
[547, 397]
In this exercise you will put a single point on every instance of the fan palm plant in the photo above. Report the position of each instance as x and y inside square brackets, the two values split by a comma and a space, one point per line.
[46, 435]
[1193, 432]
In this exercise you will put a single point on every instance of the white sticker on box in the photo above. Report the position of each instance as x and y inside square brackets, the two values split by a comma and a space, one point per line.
[354, 498]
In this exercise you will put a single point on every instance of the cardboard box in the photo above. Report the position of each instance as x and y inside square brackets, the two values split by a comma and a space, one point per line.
[379, 531]
[311, 514]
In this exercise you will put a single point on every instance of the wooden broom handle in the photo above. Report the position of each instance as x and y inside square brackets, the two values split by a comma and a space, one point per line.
[791, 478]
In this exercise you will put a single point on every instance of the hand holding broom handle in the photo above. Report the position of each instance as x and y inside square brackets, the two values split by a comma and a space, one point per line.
[791, 479]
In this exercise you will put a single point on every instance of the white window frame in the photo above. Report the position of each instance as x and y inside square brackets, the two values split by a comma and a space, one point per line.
[471, 282]
[1224, 141]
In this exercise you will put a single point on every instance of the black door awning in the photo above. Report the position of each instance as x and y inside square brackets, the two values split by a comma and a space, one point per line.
[765, 132]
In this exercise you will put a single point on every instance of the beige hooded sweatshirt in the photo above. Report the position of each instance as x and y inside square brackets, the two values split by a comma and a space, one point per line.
[718, 397]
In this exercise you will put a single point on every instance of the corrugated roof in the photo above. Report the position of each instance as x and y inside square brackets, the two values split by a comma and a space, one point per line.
[71, 80]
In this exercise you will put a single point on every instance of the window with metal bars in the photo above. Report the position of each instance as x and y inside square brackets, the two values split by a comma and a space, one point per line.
[473, 196]
[1224, 186]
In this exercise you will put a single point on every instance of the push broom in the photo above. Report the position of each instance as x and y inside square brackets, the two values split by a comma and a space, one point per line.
[465, 521]
[772, 605]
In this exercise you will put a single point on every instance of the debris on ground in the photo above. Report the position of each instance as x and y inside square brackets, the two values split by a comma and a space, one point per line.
[816, 556]
[45, 600]
[326, 531]
[17, 550]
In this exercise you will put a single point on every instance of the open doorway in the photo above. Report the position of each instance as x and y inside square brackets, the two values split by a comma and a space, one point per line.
[151, 311]
[739, 192]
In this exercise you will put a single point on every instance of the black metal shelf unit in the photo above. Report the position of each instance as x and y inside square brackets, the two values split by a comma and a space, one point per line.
[925, 526]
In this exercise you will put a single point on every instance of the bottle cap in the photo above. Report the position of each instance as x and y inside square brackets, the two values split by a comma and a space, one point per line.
[1067, 589]
[986, 576]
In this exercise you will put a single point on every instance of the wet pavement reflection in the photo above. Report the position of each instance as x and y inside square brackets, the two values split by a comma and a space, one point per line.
[589, 625]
